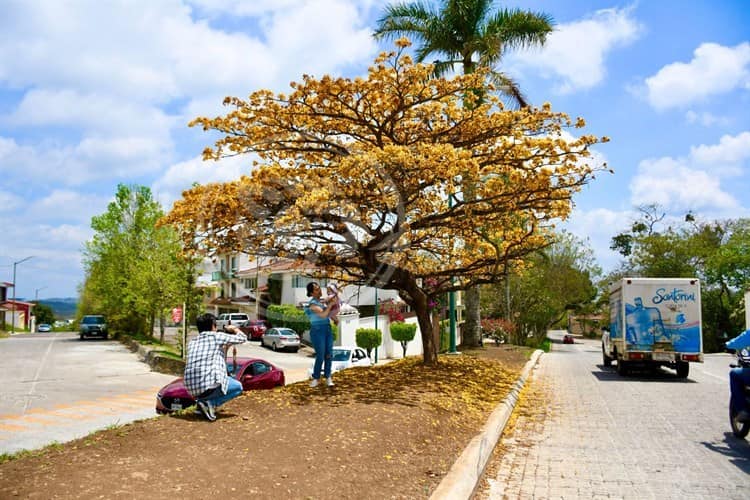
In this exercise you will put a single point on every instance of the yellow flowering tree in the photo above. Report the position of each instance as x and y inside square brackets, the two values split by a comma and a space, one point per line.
[363, 178]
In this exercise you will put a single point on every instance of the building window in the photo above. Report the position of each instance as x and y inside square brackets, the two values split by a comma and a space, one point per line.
[251, 283]
[299, 281]
[234, 290]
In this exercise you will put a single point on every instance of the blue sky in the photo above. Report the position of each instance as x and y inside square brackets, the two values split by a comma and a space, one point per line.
[96, 93]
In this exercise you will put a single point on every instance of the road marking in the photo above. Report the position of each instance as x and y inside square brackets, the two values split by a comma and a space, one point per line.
[28, 418]
[723, 379]
[10, 427]
[39, 371]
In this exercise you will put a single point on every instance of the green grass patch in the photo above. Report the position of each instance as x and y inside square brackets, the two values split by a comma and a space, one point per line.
[173, 354]
[7, 457]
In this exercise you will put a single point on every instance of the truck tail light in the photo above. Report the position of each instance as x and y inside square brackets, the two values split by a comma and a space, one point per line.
[636, 355]
[691, 357]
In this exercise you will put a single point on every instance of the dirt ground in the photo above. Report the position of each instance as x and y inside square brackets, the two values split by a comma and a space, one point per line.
[391, 431]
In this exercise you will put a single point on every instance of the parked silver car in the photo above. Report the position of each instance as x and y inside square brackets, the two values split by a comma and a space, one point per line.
[281, 338]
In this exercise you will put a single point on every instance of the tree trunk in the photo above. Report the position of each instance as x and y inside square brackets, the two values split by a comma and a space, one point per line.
[151, 319]
[162, 319]
[471, 332]
[428, 338]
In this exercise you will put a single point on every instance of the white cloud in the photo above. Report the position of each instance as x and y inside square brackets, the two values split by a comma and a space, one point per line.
[91, 159]
[671, 183]
[68, 108]
[714, 69]
[9, 201]
[66, 205]
[729, 154]
[575, 53]
[694, 182]
[181, 176]
[303, 34]
[705, 118]
[600, 225]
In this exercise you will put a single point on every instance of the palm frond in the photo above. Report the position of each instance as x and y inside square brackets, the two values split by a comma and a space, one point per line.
[507, 87]
[518, 29]
[405, 19]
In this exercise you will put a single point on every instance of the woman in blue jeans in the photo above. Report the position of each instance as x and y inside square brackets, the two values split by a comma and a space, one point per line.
[321, 334]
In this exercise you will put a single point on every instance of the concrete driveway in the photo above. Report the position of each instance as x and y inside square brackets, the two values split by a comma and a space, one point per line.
[56, 387]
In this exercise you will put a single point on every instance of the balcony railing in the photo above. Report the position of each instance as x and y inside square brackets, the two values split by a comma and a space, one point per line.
[223, 275]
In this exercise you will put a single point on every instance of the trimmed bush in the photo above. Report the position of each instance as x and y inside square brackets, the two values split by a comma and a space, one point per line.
[403, 333]
[288, 316]
[368, 338]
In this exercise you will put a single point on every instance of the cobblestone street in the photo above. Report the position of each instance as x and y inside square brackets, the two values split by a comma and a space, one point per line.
[584, 432]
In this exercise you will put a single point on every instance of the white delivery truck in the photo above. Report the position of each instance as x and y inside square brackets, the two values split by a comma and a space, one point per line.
[654, 322]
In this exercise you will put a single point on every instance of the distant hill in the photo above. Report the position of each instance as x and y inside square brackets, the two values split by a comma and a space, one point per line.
[64, 308]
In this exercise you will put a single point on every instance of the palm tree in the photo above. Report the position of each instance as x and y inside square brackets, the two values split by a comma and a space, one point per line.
[467, 32]
[472, 34]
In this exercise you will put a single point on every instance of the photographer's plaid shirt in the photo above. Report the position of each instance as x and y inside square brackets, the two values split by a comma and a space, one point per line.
[206, 365]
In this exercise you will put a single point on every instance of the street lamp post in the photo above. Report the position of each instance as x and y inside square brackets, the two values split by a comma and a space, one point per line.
[13, 310]
[36, 293]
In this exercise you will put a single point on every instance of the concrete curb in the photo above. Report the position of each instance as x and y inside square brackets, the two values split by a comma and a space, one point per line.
[157, 362]
[462, 479]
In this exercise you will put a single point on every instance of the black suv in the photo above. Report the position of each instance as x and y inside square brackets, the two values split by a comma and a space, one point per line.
[93, 325]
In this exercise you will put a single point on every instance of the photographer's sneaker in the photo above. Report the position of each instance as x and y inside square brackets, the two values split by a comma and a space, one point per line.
[207, 409]
[314, 383]
[329, 382]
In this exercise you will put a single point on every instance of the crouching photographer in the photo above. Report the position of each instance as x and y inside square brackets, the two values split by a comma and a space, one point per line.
[206, 377]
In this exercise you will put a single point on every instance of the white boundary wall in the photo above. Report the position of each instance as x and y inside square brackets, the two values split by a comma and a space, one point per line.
[389, 348]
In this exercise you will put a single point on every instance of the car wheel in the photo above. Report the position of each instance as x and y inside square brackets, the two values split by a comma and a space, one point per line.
[82, 336]
[739, 429]
[274, 347]
[683, 368]
[295, 349]
[606, 360]
[622, 368]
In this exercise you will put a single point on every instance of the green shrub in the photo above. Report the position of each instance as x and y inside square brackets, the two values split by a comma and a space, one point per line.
[445, 335]
[403, 333]
[288, 316]
[368, 338]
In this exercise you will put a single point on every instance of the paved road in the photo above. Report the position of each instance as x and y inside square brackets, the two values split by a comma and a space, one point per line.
[593, 434]
[57, 388]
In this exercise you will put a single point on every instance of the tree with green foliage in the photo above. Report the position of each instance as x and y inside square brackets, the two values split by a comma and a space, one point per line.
[135, 271]
[368, 339]
[717, 252]
[403, 333]
[472, 34]
[43, 314]
[554, 282]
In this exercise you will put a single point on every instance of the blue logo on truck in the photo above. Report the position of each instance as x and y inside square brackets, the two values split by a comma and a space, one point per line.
[674, 295]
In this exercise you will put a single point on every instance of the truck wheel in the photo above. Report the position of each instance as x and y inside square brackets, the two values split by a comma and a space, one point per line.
[739, 429]
[683, 368]
[622, 368]
[606, 360]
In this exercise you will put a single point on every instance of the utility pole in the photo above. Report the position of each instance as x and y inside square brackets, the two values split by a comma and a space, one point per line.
[13, 309]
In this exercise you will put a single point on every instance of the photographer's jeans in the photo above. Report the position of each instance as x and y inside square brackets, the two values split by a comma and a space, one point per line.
[322, 340]
[218, 398]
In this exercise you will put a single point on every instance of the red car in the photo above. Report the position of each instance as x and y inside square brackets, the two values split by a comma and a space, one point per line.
[254, 328]
[568, 339]
[252, 372]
